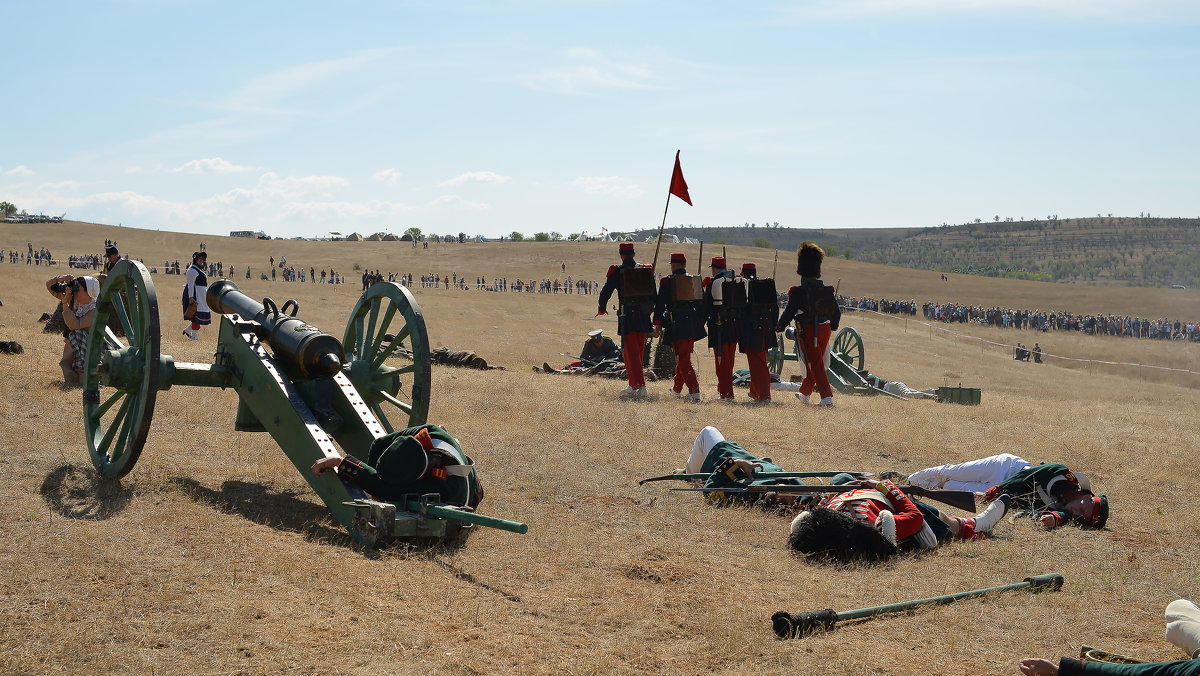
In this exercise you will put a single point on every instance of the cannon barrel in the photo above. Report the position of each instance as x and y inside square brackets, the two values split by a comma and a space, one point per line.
[314, 353]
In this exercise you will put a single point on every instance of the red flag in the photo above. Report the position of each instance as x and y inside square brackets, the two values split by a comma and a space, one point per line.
[678, 185]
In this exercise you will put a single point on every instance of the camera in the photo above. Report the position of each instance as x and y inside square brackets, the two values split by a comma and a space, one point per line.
[73, 285]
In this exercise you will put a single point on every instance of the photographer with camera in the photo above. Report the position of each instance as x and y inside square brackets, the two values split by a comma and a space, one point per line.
[78, 298]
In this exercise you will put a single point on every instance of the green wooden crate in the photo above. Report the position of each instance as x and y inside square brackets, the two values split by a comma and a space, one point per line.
[960, 395]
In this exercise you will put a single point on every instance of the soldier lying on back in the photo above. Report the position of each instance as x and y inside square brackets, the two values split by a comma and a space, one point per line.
[417, 460]
[871, 522]
[1050, 491]
[731, 465]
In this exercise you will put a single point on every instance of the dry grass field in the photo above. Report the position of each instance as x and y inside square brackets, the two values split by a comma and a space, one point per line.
[214, 557]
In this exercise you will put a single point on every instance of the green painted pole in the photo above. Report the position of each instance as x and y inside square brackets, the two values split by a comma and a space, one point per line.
[795, 625]
[757, 475]
[444, 512]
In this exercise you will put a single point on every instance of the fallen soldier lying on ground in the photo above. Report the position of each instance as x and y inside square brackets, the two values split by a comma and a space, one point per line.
[1053, 493]
[413, 461]
[729, 465]
[1183, 629]
[898, 388]
[878, 520]
[872, 521]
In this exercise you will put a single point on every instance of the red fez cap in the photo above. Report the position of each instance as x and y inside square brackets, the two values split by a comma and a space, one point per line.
[749, 266]
[718, 261]
[678, 257]
[625, 247]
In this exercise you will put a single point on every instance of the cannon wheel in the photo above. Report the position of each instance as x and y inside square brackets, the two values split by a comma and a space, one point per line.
[389, 308]
[849, 346]
[775, 356]
[117, 418]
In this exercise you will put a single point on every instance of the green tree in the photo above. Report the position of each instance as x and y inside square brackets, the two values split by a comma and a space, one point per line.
[720, 240]
[762, 243]
[556, 236]
[516, 236]
[413, 233]
[573, 236]
[540, 237]
[8, 209]
[831, 250]
[848, 254]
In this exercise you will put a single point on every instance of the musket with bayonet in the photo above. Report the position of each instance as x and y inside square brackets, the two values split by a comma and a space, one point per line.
[964, 500]
[680, 476]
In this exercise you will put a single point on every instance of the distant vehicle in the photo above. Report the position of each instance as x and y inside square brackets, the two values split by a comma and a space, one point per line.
[1178, 286]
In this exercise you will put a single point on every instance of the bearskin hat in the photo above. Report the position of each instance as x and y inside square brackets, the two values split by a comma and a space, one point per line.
[824, 533]
[808, 259]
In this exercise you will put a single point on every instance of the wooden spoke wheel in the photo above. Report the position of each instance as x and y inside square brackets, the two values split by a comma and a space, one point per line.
[776, 355]
[385, 318]
[120, 380]
[848, 345]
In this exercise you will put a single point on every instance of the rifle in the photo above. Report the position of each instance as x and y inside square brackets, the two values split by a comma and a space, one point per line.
[964, 500]
[679, 476]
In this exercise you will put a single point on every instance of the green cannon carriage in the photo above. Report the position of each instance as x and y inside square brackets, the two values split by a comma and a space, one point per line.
[311, 392]
[846, 360]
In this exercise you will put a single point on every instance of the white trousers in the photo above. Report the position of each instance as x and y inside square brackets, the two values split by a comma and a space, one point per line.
[975, 475]
[1183, 625]
[708, 437]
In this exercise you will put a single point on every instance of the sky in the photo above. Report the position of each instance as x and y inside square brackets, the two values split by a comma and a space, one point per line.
[305, 118]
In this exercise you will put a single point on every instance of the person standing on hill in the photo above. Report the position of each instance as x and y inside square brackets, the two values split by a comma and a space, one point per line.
[677, 319]
[634, 285]
[111, 256]
[724, 299]
[195, 305]
[814, 307]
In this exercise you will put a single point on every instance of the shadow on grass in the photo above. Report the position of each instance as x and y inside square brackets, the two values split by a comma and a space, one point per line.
[80, 493]
[281, 510]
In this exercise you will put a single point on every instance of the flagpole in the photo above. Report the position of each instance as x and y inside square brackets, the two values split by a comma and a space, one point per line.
[658, 243]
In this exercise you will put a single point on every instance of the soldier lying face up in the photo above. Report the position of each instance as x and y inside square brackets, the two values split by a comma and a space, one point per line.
[1050, 491]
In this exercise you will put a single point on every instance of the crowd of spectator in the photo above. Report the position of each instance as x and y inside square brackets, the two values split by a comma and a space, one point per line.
[1035, 320]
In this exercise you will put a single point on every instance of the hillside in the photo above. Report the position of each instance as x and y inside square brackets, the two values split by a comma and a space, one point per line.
[214, 555]
[1118, 251]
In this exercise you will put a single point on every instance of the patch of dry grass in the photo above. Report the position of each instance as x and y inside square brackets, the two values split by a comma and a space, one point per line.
[213, 556]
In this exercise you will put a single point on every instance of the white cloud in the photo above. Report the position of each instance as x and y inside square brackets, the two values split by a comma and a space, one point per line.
[388, 175]
[457, 201]
[133, 170]
[478, 176]
[588, 72]
[19, 170]
[608, 185]
[211, 165]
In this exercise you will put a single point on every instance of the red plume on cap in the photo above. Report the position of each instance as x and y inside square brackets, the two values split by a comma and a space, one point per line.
[718, 261]
[678, 257]
[625, 247]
